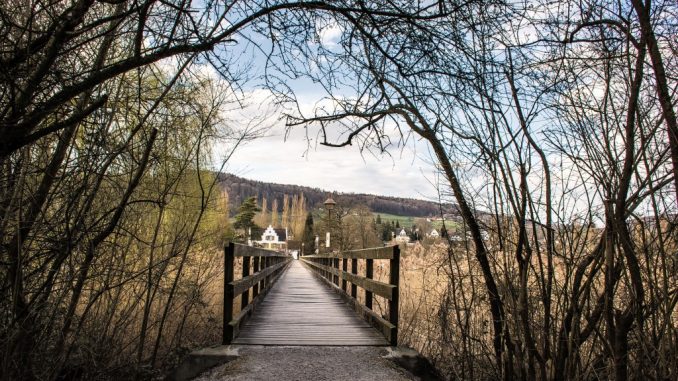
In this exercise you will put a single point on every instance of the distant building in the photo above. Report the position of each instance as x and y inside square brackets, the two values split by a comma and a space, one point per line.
[455, 238]
[273, 239]
[434, 234]
[402, 237]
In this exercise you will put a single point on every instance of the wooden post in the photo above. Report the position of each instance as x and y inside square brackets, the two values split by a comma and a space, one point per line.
[276, 260]
[335, 264]
[228, 293]
[255, 269]
[369, 273]
[394, 279]
[264, 282]
[270, 261]
[326, 273]
[344, 267]
[245, 298]
[354, 270]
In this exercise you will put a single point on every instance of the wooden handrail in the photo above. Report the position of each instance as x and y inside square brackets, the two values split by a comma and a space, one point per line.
[265, 266]
[241, 250]
[328, 267]
[385, 252]
[379, 288]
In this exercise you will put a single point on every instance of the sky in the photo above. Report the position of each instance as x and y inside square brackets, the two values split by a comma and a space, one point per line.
[288, 157]
[406, 172]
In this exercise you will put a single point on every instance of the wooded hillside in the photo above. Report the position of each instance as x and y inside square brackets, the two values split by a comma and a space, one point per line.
[239, 189]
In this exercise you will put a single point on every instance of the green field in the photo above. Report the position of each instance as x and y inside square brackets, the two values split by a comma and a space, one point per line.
[407, 221]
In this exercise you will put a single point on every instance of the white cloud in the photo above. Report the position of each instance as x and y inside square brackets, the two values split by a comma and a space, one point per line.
[272, 159]
[330, 35]
[295, 158]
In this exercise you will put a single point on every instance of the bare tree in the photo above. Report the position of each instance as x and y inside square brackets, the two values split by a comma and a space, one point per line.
[102, 129]
[557, 124]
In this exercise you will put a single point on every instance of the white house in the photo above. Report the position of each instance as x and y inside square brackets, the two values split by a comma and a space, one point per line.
[274, 239]
[434, 234]
[402, 237]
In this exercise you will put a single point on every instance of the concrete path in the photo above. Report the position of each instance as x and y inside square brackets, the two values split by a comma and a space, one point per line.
[291, 363]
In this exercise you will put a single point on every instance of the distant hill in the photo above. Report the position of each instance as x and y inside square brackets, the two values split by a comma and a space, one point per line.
[239, 188]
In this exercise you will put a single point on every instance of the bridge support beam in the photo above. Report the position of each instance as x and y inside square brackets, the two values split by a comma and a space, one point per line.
[228, 293]
[394, 279]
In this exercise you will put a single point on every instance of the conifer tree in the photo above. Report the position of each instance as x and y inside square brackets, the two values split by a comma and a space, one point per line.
[309, 237]
[298, 215]
[248, 209]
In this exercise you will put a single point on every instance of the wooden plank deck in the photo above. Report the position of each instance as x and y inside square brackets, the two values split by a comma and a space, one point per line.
[301, 310]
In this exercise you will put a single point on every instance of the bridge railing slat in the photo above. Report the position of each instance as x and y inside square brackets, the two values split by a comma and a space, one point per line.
[385, 252]
[266, 266]
[382, 289]
[250, 281]
[327, 266]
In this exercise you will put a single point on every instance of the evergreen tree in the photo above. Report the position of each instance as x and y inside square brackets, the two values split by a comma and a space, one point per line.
[386, 234]
[309, 237]
[378, 219]
[298, 215]
[414, 233]
[397, 224]
[248, 209]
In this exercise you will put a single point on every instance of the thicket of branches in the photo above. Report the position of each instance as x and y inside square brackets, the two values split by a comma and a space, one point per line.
[102, 227]
[110, 222]
[558, 118]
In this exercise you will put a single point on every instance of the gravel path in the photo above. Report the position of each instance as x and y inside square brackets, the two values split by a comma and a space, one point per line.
[282, 363]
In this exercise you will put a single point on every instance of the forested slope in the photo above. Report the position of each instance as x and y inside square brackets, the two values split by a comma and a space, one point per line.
[239, 188]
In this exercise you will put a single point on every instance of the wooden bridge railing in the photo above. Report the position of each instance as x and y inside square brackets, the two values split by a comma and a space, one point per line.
[327, 266]
[260, 269]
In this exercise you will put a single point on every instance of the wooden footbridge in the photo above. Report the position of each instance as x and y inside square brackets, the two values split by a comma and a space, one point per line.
[277, 300]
